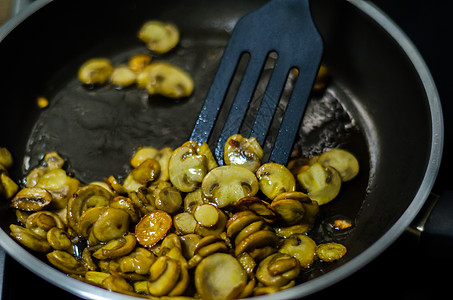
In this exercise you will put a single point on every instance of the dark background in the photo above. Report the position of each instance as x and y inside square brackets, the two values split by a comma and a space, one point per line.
[404, 270]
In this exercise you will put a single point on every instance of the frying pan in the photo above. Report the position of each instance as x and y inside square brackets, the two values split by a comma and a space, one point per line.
[381, 104]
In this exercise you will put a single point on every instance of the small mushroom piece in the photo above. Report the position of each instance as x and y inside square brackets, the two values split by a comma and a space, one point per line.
[215, 230]
[59, 185]
[192, 200]
[225, 185]
[257, 240]
[147, 171]
[139, 61]
[54, 160]
[290, 211]
[29, 239]
[143, 200]
[163, 275]
[258, 206]
[116, 248]
[66, 262]
[275, 179]
[42, 221]
[343, 161]
[322, 79]
[127, 205]
[123, 77]
[95, 71]
[6, 158]
[206, 215]
[323, 184]
[95, 277]
[330, 251]
[188, 244]
[239, 221]
[220, 276]
[300, 246]
[111, 224]
[277, 270]
[243, 152]
[86, 197]
[142, 154]
[206, 151]
[31, 199]
[184, 223]
[116, 283]
[139, 261]
[59, 239]
[166, 80]
[7, 186]
[153, 227]
[159, 37]
[168, 199]
[187, 168]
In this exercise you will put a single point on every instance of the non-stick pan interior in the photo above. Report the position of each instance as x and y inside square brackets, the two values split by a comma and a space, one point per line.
[375, 105]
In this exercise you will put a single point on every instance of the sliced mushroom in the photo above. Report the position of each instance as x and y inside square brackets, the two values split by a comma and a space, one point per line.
[143, 200]
[256, 240]
[220, 276]
[323, 184]
[277, 270]
[86, 197]
[243, 152]
[66, 262]
[95, 277]
[54, 160]
[166, 80]
[206, 215]
[95, 71]
[122, 76]
[42, 221]
[142, 154]
[258, 206]
[163, 275]
[59, 185]
[116, 283]
[239, 221]
[7, 186]
[59, 239]
[225, 185]
[188, 244]
[343, 161]
[187, 168]
[216, 230]
[168, 199]
[153, 227]
[127, 205]
[300, 246]
[29, 239]
[275, 179]
[330, 251]
[205, 247]
[139, 61]
[206, 151]
[290, 211]
[159, 37]
[111, 224]
[31, 199]
[147, 171]
[248, 263]
[184, 223]
[116, 248]
[6, 158]
[192, 200]
[139, 261]
[250, 229]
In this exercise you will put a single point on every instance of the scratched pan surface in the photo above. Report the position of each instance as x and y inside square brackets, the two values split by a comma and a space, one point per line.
[380, 104]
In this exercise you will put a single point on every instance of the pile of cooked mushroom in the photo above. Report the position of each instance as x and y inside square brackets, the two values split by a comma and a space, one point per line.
[180, 225]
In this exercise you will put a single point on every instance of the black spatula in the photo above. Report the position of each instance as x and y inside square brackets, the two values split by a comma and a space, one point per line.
[284, 27]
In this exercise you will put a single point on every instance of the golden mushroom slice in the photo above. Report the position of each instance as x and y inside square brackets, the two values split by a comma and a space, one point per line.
[168, 199]
[113, 223]
[29, 239]
[6, 158]
[53, 160]
[258, 206]
[153, 227]
[7, 186]
[225, 185]
[59, 185]
[330, 251]
[167, 80]
[220, 276]
[42, 221]
[159, 36]
[86, 197]
[187, 168]
[301, 247]
[95, 71]
[163, 276]
[184, 223]
[123, 77]
[275, 179]
[116, 283]
[31, 199]
[343, 161]
[66, 262]
[277, 270]
[139, 61]
[127, 205]
[147, 171]
[290, 211]
[323, 184]
[139, 261]
[206, 215]
[243, 152]
[59, 239]
[116, 248]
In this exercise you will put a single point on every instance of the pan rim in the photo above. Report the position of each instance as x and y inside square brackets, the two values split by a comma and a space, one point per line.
[88, 291]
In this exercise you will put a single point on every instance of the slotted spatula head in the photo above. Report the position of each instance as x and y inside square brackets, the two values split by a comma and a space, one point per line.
[286, 28]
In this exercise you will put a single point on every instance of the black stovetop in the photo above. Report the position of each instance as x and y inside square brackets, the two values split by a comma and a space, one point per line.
[403, 271]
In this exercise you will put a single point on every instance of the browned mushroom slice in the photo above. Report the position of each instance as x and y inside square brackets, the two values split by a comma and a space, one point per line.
[277, 270]
[330, 251]
[191, 200]
[216, 230]
[168, 199]
[220, 276]
[163, 275]
[123, 76]
[300, 246]
[148, 170]
[116, 283]
[125, 204]
[184, 223]
[188, 244]
[323, 184]
[167, 80]
[256, 240]
[143, 200]
[7, 186]
[243, 152]
[139, 261]
[187, 168]
[54, 160]
[206, 215]
[31, 199]
[290, 211]
[343, 161]
[66, 262]
[116, 248]
[42, 221]
[159, 37]
[111, 224]
[95, 277]
[153, 227]
[85, 198]
[59, 185]
[225, 185]
[139, 61]
[260, 207]
[275, 179]
[239, 221]
[95, 71]
[29, 239]
[59, 239]
[250, 229]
